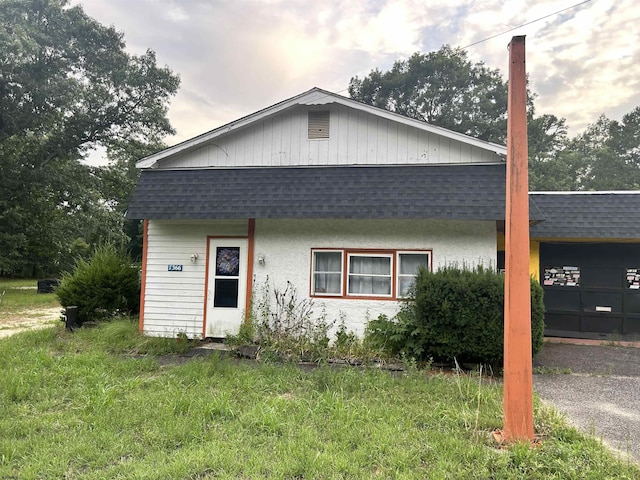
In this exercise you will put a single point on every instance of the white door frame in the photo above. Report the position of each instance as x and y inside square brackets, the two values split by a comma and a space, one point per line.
[226, 317]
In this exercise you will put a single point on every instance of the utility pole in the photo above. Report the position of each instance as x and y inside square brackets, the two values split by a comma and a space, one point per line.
[518, 379]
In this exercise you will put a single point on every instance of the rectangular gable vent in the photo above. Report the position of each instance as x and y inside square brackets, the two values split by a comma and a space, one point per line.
[318, 125]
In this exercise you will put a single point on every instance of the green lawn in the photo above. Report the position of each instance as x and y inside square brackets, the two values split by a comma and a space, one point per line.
[80, 406]
[19, 295]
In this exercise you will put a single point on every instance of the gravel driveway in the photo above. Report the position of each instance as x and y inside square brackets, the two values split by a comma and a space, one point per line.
[29, 319]
[601, 395]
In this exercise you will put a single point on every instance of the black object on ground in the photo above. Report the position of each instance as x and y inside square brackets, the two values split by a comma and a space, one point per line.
[71, 318]
[48, 285]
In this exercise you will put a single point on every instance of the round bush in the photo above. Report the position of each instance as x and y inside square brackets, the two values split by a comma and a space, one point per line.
[456, 313]
[104, 285]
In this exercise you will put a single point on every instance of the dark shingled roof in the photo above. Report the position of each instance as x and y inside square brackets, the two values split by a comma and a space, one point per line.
[463, 192]
[598, 215]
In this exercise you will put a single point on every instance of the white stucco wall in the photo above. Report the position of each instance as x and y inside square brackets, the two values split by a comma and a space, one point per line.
[286, 247]
[174, 301]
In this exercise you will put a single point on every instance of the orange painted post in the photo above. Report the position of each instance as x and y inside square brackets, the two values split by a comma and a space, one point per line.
[518, 380]
[143, 278]
[251, 231]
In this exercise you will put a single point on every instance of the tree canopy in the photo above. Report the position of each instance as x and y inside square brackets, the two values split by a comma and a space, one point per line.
[606, 156]
[444, 88]
[66, 85]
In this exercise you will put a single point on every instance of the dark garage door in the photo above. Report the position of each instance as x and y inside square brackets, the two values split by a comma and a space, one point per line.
[591, 290]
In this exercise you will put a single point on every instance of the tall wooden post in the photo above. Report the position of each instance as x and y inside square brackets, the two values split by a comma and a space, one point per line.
[518, 380]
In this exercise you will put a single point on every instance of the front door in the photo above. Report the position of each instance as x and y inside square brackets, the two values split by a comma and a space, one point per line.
[226, 286]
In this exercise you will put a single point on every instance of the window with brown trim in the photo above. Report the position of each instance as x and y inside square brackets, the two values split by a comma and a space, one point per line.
[327, 273]
[383, 274]
[409, 264]
[370, 275]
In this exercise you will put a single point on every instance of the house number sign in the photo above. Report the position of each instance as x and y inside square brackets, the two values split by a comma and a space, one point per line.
[174, 268]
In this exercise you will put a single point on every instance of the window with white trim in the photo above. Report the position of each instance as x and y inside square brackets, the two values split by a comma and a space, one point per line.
[358, 273]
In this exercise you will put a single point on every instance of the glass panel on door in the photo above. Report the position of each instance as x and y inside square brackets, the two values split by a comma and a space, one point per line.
[227, 286]
[228, 268]
[227, 261]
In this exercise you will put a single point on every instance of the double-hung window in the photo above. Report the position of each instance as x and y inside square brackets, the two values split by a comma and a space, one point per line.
[327, 272]
[360, 274]
[370, 275]
[409, 264]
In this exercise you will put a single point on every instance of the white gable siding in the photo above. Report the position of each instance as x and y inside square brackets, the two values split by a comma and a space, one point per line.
[356, 137]
[174, 301]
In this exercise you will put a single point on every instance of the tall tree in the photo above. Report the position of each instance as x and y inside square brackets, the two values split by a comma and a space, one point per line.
[606, 156]
[550, 168]
[117, 181]
[66, 85]
[443, 88]
[610, 152]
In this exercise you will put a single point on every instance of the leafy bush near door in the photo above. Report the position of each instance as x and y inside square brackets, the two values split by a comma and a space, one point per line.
[455, 313]
[102, 286]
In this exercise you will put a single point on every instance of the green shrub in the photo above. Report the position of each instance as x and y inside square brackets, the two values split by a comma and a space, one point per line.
[390, 336]
[537, 316]
[455, 313]
[104, 285]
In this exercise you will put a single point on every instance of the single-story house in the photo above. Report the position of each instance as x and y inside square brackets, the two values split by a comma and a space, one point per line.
[343, 202]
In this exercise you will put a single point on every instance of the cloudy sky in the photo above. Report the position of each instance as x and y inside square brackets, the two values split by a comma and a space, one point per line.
[237, 56]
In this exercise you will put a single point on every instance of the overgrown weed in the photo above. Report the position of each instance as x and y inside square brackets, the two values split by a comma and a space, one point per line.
[289, 328]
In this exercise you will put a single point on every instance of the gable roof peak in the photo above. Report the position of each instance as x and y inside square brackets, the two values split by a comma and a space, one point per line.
[314, 96]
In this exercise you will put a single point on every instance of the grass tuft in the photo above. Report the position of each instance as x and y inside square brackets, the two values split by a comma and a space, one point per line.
[121, 336]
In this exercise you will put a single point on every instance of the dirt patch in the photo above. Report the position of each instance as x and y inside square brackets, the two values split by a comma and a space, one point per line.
[14, 322]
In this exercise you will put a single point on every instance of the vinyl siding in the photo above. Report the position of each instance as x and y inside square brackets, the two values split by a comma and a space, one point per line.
[174, 301]
[355, 138]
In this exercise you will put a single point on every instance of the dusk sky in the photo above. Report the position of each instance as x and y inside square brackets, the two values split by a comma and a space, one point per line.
[237, 57]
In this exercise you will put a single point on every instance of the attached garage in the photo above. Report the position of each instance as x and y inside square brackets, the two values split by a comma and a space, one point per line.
[591, 290]
[589, 263]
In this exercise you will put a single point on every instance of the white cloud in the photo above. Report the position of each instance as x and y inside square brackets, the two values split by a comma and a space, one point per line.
[394, 29]
[237, 57]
